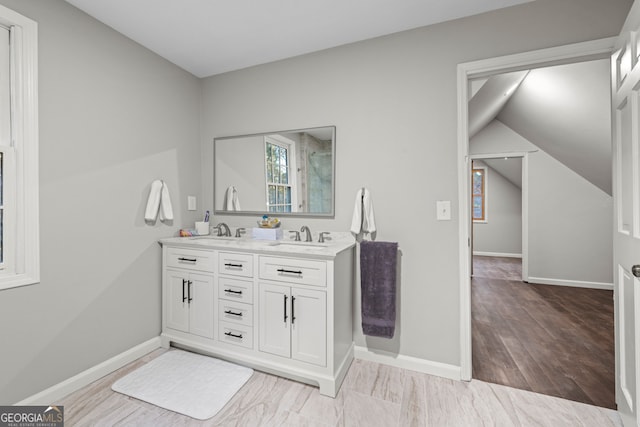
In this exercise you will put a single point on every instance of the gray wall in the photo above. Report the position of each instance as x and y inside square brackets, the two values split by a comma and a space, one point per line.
[393, 101]
[502, 232]
[570, 232]
[113, 117]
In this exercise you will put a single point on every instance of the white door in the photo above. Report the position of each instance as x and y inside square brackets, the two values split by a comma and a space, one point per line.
[201, 307]
[626, 245]
[309, 326]
[176, 305]
[275, 332]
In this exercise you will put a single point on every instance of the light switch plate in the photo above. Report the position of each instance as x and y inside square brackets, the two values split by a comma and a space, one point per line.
[191, 203]
[443, 208]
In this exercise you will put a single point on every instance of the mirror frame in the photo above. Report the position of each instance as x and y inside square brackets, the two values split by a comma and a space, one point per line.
[330, 214]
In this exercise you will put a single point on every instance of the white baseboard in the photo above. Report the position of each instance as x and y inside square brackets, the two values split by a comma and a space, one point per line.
[500, 254]
[407, 362]
[572, 283]
[60, 390]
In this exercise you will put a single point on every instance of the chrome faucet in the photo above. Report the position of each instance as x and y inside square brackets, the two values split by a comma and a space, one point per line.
[296, 235]
[308, 235]
[240, 231]
[323, 237]
[223, 229]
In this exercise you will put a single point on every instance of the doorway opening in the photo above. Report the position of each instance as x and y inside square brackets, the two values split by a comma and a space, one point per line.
[533, 269]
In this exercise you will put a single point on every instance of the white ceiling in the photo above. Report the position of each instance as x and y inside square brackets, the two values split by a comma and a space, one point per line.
[563, 110]
[207, 37]
[489, 99]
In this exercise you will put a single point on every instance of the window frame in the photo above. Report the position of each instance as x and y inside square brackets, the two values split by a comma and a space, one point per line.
[22, 246]
[291, 174]
[484, 195]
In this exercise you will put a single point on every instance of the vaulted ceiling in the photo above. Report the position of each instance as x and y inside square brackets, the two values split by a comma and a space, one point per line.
[564, 110]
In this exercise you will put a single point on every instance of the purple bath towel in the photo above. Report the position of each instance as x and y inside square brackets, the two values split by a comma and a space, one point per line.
[378, 285]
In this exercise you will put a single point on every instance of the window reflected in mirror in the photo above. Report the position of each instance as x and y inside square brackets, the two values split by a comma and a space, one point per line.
[288, 173]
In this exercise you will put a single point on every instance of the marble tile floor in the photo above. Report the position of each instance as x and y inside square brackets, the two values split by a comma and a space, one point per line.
[372, 395]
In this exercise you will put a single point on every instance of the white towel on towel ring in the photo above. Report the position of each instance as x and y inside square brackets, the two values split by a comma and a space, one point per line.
[159, 201]
[166, 209]
[363, 220]
[232, 203]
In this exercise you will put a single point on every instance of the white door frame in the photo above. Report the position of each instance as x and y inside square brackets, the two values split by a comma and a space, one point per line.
[524, 200]
[596, 49]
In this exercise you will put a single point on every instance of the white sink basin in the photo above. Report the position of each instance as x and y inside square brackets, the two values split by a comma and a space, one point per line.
[215, 239]
[300, 245]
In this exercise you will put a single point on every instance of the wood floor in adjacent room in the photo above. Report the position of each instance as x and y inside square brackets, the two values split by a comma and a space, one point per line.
[553, 340]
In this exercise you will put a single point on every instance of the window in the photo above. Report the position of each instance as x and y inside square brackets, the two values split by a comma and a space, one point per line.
[19, 232]
[479, 194]
[279, 161]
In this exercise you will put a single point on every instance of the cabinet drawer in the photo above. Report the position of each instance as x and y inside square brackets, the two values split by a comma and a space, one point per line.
[235, 312]
[190, 258]
[235, 264]
[292, 270]
[233, 333]
[235, 290]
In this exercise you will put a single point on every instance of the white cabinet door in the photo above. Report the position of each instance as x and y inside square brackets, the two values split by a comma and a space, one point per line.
[309, 326]
[275, 335]
[176, 304]
[200, 298]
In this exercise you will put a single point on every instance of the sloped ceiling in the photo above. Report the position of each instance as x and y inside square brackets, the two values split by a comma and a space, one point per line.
[564, 110]
[491, 98]
[509, 168]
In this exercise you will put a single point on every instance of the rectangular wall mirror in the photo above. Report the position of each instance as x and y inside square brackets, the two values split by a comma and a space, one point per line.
[286, 173]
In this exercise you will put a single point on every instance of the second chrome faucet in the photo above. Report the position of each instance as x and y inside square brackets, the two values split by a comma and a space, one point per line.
[308, 237]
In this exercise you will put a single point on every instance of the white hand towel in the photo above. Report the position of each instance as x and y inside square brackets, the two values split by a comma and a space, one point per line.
[153, 203]
[232, 203]
[166, 210]
[363, 220]
[368, 216]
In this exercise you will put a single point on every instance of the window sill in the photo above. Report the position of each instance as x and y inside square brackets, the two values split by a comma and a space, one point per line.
[17, 280]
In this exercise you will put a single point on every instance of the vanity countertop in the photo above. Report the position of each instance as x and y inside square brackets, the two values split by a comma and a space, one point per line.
[339, 241]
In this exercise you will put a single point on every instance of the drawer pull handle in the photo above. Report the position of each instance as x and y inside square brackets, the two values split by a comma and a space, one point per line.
[184, 297]
[293, 309]
[229, 334]
[284, 270]
[189, 283]
[231, 291]
[285, 308]
[231, 265]
[187, 259]
[233, 313]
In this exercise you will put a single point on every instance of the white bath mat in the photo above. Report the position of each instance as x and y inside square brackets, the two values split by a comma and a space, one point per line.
[191, 384]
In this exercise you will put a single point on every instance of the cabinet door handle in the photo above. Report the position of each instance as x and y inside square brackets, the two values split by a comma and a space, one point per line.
[233, 265]
[189, 283]
[187, 259]
[229, 334]
[293, 309]
[233, 313]
[184, 298]
[285, 308]
[284, 270]
[231, 291]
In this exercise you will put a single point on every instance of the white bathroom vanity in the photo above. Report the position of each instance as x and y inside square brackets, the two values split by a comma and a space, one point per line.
[282, 307]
